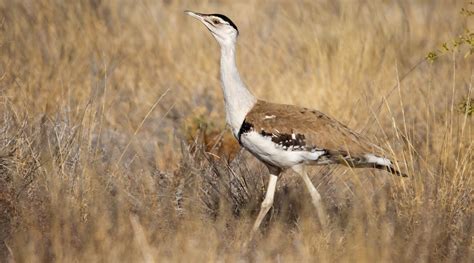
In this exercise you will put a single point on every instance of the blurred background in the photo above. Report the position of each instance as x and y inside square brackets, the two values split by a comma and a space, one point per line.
[113, 145]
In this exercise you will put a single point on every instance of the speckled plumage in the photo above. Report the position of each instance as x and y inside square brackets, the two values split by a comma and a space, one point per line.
[301, 130]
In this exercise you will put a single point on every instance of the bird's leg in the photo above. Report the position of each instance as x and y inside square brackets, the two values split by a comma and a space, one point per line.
[267, 202]
[315, 196]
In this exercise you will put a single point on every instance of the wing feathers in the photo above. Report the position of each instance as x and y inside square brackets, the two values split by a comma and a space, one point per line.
[301, 129]
[295, 124]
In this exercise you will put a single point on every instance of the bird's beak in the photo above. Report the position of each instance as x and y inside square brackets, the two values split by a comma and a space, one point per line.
[198, 16]
[202, 18]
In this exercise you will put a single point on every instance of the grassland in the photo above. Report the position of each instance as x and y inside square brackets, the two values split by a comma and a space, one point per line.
[113, 145]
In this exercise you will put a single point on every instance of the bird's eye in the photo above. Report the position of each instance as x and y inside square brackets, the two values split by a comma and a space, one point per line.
[215, 21]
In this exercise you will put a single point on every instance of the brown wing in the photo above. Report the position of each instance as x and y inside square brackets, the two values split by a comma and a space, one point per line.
[289, 124]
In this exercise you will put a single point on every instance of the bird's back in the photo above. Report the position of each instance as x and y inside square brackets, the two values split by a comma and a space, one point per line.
[286, 135]
[311, 128]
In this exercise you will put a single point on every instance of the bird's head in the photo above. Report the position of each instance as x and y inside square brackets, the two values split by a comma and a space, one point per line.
[221, 27]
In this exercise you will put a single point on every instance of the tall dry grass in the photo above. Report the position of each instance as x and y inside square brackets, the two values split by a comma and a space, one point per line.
[99, 98]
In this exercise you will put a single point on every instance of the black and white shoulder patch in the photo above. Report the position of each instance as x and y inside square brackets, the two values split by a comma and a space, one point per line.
[244, 128]
[287, 141]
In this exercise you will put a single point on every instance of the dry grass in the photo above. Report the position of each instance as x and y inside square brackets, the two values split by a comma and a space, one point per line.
[97, 97]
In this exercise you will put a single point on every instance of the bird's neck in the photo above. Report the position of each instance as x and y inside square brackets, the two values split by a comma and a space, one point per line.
[237, 98]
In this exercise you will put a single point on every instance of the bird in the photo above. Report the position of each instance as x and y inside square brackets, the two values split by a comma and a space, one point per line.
[285, 136]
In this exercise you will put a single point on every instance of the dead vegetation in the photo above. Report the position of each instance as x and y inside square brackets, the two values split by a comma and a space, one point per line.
[112, 145]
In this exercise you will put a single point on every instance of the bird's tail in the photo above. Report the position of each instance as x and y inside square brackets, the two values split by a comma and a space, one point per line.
[370, 161]
[391, 169]
[382, 163]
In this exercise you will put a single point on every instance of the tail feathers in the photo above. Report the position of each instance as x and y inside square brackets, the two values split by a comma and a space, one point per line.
[390, 169]
[366, 161]
[383, 164]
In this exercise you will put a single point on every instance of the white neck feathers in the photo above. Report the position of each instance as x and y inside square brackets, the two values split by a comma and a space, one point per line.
[237, 98]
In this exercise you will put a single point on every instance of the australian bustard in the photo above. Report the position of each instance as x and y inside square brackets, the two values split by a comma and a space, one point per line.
[285, 136]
